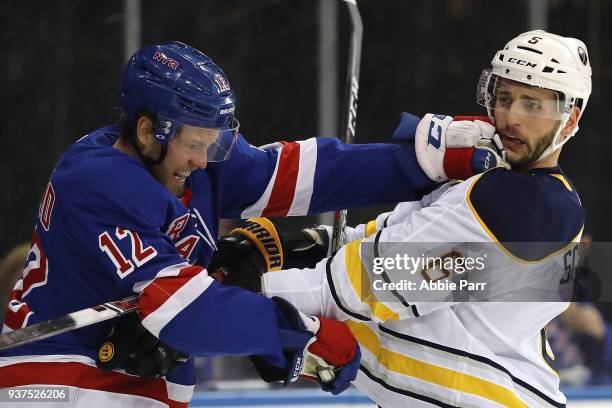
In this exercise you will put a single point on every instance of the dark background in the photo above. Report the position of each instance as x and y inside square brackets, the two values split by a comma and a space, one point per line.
[62, 61]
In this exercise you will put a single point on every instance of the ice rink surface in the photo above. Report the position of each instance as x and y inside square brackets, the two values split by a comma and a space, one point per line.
[587, 397]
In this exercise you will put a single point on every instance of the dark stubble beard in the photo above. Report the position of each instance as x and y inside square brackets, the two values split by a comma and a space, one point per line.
[158, 174]
[533, 152]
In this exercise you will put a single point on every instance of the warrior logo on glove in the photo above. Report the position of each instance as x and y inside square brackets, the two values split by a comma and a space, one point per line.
[264, 235]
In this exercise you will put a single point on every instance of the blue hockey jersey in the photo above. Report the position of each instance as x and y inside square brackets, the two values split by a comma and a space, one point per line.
[107, 229]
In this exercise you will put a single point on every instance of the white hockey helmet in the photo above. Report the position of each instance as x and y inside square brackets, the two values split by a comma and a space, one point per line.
[544, 60]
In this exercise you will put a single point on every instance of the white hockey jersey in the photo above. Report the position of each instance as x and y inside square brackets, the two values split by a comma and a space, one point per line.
[476, 347]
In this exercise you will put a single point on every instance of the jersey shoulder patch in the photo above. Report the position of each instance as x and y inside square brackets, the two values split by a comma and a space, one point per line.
[532, 215]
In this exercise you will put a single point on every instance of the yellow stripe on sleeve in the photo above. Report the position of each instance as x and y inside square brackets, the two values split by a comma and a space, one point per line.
[563, 180]
[370, 228]
[435, 374]
[361, 284]
[499, 244]
[544, 347]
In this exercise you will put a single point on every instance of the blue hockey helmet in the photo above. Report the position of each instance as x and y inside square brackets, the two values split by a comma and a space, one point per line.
[181, 86]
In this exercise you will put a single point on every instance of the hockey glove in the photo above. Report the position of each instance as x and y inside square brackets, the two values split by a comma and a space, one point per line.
[132, 348]
[258, 246]
[452, 148]
[306, 247]
[315, 347]
[246, 253]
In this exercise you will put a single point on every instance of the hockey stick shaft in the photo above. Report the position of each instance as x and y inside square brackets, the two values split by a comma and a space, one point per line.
[93, 315]
[351, 98]
[71, 321]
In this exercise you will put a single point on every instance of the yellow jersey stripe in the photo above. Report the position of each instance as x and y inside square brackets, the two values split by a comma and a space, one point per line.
[361, 284]
[541, 339]
[563, 180]
[370, 228]
[500, 245]
[441, 376]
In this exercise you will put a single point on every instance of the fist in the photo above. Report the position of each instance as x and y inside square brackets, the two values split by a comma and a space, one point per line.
[132, 348]
[452, 148]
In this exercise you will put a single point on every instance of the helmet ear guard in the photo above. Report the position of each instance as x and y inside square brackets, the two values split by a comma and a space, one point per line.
[165, 129]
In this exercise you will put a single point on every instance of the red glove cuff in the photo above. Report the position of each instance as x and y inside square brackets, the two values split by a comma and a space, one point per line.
[458, 160]
[335, 342]
[473, 118]
[458, 163]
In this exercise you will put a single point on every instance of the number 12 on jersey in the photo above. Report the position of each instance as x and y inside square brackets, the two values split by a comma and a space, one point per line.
[139, 255]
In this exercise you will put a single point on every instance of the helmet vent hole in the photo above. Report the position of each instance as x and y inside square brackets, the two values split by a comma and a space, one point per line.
[501, 57]
[561, 72]
[195, 107]
[529, 49]
[548, 69]
[528, 76]
[507, 71]
[150, 74]
[554, 60]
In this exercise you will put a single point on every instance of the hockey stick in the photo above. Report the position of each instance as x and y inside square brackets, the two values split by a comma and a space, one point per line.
[352, 88]
[93, 315]
[71, 321]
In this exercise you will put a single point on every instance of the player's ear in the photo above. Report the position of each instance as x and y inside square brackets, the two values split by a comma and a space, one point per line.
[571, 123]
[144, 131]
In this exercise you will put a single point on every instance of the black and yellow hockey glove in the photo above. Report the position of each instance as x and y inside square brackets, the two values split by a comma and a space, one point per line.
[258, 247]
[134, 349]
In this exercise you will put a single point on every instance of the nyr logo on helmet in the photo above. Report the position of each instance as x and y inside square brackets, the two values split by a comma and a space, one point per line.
[583, 55]
[158, 56]
[222, 83]
[522, 62]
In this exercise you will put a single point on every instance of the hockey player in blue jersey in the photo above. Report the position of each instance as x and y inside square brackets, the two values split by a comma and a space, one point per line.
[110, 225]
[433, 348]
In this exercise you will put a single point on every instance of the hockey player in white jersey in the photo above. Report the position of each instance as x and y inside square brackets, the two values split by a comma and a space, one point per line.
[482, 346]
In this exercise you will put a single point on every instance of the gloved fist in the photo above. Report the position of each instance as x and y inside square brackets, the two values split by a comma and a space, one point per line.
[134, 349]
[258, 247]
[315, 347]
[335, 346]
[448, 148]
[306, 247]
[247, 253]
[473, 147]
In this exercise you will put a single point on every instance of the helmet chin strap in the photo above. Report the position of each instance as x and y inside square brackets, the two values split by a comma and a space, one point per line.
[554, 145]
[162, 154]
